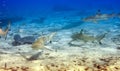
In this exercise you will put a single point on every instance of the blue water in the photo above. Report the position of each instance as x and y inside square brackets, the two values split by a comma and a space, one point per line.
[38, 7]
[87, 28]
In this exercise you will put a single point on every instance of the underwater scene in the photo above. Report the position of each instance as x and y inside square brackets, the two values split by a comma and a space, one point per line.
[59, 35]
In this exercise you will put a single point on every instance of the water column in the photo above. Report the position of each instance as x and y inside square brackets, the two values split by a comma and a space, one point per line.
[3, 10]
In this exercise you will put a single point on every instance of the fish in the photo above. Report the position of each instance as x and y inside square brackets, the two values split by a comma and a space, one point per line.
[41, 42]
[98, 17]
[32, 57]
[4, 33]
[87, 38]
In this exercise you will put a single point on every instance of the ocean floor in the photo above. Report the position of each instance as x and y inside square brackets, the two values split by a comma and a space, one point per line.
[80, 56]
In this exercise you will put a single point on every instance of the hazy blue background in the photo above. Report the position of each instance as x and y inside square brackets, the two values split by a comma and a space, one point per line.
[43, 7]
[35, 7]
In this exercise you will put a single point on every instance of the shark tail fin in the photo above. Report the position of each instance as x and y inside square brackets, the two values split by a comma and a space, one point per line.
[99, 38]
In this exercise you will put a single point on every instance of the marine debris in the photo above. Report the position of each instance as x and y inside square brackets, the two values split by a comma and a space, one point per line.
[4, 33]
[40, 42]
[99, 17]
[18, 40]
[81, 36]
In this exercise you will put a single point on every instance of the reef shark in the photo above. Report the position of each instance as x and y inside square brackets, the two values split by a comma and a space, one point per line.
[86, 38]
[98, 17]
[4, 33]
[40, 42]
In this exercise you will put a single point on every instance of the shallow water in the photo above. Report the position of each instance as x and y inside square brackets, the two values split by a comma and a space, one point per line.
[59, 35]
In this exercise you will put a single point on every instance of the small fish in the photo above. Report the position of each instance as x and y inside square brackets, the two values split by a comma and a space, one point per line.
[4, 33]
[40, 42]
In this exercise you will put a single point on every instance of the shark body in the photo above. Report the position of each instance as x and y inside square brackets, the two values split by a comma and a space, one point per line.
[40, 42]
[4, 33]
[86, 38]
[99, 17]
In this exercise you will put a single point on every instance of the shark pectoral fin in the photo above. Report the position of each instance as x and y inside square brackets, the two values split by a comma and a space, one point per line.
[95, 21]
[48, 48]
[25, 57]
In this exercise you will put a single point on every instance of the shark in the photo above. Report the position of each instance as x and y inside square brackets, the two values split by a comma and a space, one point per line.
[32, 57]
[42, 41]
[86, 38]
[4, 33]
[98, 17]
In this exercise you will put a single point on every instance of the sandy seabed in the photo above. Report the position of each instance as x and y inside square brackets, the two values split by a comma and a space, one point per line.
[86, 60]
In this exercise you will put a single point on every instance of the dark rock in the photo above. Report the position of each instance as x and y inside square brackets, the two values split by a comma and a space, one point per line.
[28, 40]
[24, 40]
[17, 37]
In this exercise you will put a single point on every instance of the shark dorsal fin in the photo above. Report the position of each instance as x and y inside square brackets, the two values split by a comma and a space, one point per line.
[98, 12]
[81, 31]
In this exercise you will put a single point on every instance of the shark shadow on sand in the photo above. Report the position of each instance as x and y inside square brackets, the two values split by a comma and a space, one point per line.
[68, 26]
